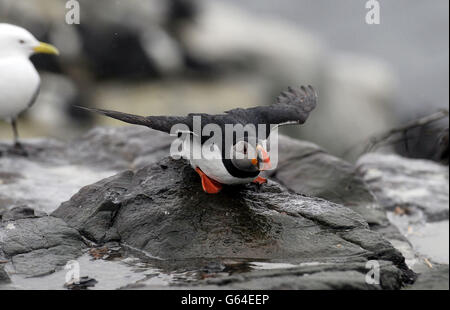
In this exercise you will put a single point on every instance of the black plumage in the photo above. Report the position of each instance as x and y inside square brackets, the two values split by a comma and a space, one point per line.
[292, 107]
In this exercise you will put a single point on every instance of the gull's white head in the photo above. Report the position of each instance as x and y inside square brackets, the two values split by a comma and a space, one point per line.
[16, 41]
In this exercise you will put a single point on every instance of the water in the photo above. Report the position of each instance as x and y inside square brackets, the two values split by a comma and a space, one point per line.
[134, 269]
[429, 240]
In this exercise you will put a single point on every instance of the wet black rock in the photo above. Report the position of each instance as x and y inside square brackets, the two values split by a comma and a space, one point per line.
[435, 278]
[412, 184]
[20, 212]
[319, 215]
[162, 210]
[38, 246]
[444, 147]
[83, 284]
[119, 148]
[313, 277]
[4, 278]
[415, 194]
[305, 168]
[54, 171]
[102, 148]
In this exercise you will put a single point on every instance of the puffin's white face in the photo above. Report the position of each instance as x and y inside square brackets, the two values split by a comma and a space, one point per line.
[18, 41]
[248, 157]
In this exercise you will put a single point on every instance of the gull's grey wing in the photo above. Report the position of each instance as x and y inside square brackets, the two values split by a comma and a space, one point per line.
[161, 123]
[293, 106]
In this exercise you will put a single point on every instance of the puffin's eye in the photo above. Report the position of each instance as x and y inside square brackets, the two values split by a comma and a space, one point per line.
[22, 41]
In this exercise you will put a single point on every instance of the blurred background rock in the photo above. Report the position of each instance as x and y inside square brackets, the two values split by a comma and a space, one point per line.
[177, 56]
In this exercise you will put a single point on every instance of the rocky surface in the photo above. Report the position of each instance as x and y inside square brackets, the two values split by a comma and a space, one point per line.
[4, 278]
[415, 185]
[54, 171]
[319, 277]
[315, 225]
[415, 194]
[162, 209]
[38, 246]
[307, 169]
[436, 278]
[317, 209]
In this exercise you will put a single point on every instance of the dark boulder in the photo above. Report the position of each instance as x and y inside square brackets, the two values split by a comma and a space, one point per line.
[319, 215]
[435, 278]
[343, 276]
[20, 212]
[162, 210]
[307, 169]
[38, 246]
[413, 184]
[415, 194]
[4, 278]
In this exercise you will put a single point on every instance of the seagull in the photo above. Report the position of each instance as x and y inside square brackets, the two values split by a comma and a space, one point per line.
[248, 155]
[19, 80]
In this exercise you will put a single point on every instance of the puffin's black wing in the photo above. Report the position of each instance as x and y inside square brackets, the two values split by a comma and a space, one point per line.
[161, 123]
[293, 106]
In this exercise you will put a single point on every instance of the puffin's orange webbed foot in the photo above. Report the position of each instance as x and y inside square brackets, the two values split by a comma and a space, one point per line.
[260, 180]
[209, 185]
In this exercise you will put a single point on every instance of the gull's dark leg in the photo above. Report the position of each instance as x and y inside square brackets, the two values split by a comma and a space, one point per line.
[16, 133]
[18, 147]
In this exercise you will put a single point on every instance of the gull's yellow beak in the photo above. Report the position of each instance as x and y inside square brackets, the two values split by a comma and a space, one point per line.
[44, 48]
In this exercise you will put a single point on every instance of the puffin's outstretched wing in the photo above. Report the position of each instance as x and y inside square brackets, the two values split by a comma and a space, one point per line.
[293, 106]
[161, 123]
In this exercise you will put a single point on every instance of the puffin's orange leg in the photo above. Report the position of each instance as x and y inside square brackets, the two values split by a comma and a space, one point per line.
[260, 180]
[210, 186]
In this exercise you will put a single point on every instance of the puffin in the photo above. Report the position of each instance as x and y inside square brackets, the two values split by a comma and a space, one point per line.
[236, 160]
[19, 80]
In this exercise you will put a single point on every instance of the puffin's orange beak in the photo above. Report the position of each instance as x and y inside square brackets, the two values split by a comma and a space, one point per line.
[263, 159]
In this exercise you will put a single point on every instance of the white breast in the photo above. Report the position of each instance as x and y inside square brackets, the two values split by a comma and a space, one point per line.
[211, 165]
[19, 82]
